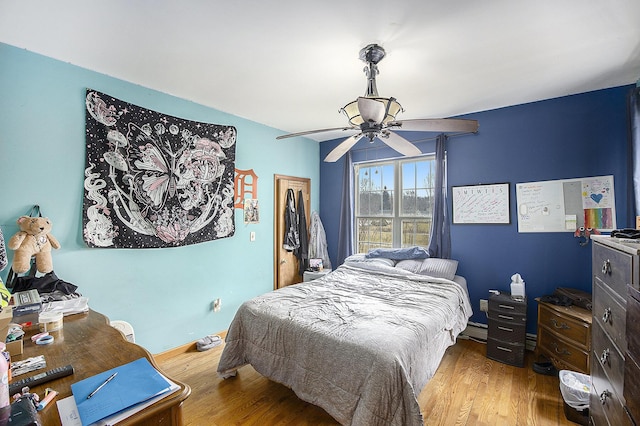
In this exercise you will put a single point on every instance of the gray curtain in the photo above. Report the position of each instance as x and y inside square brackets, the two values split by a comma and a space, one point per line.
[634, 147]
[345, 239]
[440, 240]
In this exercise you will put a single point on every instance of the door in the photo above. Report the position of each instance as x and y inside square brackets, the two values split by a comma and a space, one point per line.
[285, 263]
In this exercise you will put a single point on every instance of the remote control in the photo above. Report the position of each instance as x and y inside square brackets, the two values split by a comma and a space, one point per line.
[41, 378]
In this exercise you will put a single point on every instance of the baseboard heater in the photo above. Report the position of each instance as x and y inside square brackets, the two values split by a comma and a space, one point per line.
[478, 332]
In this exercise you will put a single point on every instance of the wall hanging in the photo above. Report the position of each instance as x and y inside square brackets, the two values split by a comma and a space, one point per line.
[566, 205]
[153, 180]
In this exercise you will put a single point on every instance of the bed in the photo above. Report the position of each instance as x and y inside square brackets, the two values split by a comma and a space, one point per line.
[361, 342]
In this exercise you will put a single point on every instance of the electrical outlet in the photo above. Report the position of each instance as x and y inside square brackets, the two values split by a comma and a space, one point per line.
[217, 304]
[484, 305]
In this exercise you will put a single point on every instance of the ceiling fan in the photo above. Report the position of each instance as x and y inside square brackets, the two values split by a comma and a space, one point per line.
[374, 117]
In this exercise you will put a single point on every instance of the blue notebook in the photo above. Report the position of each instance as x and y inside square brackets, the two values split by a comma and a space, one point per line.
[135, 382]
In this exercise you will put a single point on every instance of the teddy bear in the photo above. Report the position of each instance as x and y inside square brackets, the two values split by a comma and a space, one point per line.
[33, 239]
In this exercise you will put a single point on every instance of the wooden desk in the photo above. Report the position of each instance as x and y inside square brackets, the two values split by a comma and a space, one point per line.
[91, 345]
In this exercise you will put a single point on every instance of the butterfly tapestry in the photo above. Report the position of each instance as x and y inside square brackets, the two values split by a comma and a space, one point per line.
[153, 180]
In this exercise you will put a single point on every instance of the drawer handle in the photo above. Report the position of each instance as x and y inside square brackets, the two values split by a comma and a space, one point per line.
[563, 325]
[605, 356]
[604, 395]
[564, 351]
[606, 316]
[606, 267]
[505, 317]
[506, 307]
[504, 349]
[505, 329]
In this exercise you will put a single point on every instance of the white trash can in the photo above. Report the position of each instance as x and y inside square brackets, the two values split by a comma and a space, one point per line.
[575, 388]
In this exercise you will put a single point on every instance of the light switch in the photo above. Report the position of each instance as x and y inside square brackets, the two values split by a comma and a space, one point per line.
[252, 236]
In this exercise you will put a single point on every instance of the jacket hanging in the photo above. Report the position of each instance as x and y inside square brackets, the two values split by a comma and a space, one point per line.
[318, 241]
[302, 252]
[291, 237]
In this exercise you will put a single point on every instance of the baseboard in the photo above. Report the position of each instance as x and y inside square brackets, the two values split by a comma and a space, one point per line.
[478, 332]
[187, 347]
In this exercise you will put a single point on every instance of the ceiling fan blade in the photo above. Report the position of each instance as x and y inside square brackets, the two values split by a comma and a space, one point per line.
[310, 132]
[400, 144]
[341, 149]
[435, 125]
[371, 110]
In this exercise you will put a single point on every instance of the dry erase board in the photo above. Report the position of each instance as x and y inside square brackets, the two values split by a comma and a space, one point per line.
[481, 204]
[566, 205]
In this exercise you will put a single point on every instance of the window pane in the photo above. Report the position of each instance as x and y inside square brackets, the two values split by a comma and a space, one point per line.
[374, 233]
[415, 233]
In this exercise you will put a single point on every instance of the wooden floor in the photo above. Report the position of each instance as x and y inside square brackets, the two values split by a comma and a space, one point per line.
[468, 389]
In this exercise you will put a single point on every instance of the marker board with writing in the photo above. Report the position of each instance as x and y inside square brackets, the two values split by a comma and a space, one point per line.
[566, 205]
[481, 204]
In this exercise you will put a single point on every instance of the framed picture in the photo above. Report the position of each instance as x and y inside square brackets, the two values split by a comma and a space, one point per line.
[481, 204]
[315, 264]
[251, 211]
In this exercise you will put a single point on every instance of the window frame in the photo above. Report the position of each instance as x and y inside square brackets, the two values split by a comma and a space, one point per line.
[397, 218]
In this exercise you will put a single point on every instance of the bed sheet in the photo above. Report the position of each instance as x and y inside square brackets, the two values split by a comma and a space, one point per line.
[359, 342]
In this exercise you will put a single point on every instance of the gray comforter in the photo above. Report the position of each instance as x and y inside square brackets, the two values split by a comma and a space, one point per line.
[359, 343]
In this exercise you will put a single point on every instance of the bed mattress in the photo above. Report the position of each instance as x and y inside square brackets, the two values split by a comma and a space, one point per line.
[360, 342]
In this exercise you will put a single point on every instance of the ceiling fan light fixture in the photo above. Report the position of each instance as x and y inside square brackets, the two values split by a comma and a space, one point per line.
[391, 105]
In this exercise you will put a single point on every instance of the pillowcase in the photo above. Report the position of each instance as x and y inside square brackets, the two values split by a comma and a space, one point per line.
[361, 258]
[433, 267]
[399, 253]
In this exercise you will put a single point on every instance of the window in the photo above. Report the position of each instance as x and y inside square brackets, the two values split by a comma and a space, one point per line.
[394, 203]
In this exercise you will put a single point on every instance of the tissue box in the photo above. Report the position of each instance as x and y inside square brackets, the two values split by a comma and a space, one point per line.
[26, 308]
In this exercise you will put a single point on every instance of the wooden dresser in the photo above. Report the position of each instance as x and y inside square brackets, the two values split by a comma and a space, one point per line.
[615, 271]
[564, 336]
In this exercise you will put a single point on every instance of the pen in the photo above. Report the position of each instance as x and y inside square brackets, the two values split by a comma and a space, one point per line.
[102, 385]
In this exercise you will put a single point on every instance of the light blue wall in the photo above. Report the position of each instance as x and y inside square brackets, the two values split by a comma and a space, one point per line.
[164, 293]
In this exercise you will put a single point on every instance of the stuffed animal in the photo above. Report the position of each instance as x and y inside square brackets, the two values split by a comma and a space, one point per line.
[33, 239]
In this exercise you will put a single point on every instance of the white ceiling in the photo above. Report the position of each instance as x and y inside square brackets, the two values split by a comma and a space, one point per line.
[291, 64]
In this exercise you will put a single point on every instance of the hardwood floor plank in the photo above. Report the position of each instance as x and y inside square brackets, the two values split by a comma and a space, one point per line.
[468, 389]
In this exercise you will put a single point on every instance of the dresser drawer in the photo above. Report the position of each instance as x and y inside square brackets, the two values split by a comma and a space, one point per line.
[503, 304]
[632, 387]
[611, 361]
[572, 329]
[633, 319]
[610, 314]
[603, 393]
[507, 331]
[508, 353]
[565, 356]
[613, 267]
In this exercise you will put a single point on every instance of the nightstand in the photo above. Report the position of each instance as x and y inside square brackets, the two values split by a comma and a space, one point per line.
[564, 336]
[507, 320]
[313, 275]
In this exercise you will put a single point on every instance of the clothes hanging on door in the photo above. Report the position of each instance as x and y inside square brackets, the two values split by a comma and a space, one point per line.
[291, 237]
[318, 241]
[302, 252]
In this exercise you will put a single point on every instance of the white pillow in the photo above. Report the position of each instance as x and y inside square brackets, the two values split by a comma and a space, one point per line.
[433, 267]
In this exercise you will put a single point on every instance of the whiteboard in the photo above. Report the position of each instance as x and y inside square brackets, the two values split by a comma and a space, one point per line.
[481, 204]
[566, 205]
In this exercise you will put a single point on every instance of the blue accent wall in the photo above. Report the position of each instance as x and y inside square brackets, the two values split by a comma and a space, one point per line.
[570, 137]
[165, 294]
